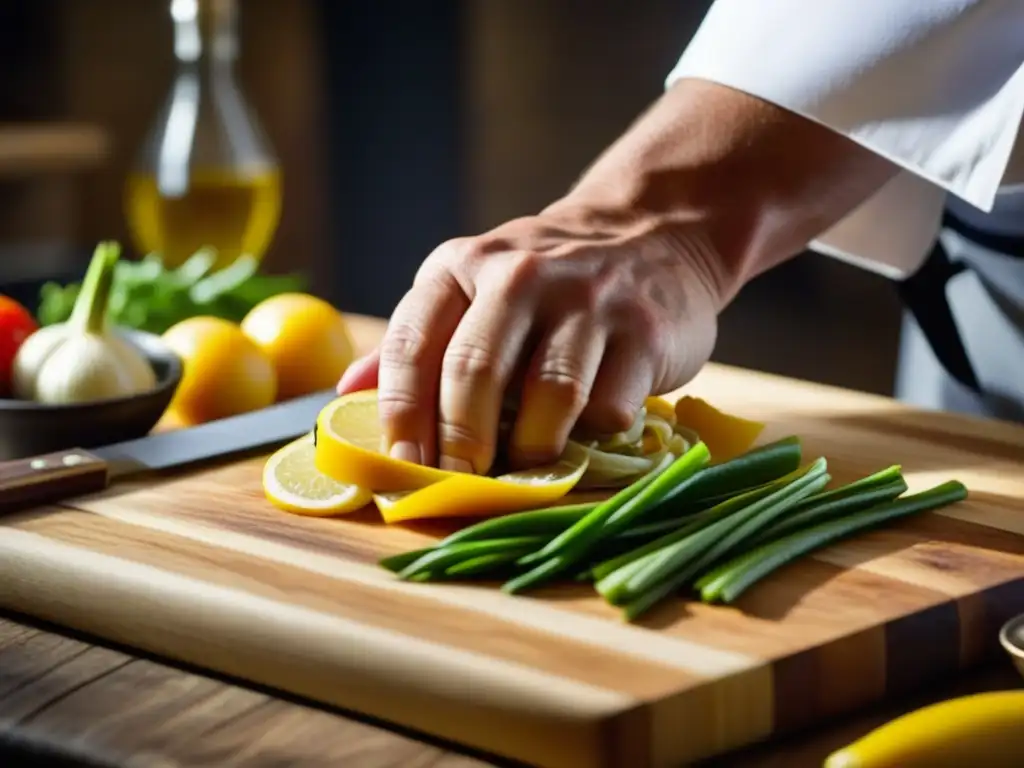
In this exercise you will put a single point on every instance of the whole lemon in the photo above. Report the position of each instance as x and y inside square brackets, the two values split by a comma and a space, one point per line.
[225, 372]
[305, 338]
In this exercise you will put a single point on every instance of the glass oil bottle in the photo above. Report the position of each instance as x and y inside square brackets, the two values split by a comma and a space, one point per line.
[206, 176]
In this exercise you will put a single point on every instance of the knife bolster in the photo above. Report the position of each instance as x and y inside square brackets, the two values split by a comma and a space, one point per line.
[49, 478]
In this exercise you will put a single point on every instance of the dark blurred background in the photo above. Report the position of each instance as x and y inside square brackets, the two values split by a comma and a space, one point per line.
[398, 124]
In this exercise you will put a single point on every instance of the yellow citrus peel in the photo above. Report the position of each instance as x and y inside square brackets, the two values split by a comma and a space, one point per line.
[725, 435]
[467, 495]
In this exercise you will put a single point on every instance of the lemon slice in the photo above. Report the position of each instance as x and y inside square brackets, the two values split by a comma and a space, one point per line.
[348, 443]
[292, 482]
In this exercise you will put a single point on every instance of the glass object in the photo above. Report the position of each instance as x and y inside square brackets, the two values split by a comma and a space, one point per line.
[206, 175]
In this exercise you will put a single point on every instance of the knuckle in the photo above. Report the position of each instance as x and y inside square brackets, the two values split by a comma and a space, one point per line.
[437, 275]
[522, 271]
[460, 440]
[452, 253]
[398, 407]
[404, 346]
[473, 249]
[615, 279]
[564, 383]
[615, 415]
[465, 256]
[468, 361]
[580, 295]
[646, 325]
[460, 435]
[589, 296]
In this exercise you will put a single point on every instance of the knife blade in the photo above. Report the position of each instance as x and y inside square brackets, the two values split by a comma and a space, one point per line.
[62, 475]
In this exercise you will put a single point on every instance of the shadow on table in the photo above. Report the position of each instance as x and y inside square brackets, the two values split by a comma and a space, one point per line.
[20, 750]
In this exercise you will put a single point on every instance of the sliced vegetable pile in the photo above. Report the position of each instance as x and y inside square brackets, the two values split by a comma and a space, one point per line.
[661, 433]
[147, 296]
[348, 443]
[714, 528]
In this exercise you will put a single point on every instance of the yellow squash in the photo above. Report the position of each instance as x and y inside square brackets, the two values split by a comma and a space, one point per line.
[984, 730]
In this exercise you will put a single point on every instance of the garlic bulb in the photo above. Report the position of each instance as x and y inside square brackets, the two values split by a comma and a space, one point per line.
[82, 360]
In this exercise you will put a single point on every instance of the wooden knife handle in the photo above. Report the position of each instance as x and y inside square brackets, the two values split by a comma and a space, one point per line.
[49, 478]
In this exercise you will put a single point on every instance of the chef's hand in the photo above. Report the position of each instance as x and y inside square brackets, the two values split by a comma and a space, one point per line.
[611, 293]
[580, 314]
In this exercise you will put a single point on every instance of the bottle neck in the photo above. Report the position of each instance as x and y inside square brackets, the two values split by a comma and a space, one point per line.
[205, 34]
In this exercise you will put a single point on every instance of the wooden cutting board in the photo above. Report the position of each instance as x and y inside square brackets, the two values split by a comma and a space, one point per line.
[201, 569]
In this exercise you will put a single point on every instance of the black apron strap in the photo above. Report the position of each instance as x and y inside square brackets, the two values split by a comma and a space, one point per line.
[924, 295]
[1011, 246]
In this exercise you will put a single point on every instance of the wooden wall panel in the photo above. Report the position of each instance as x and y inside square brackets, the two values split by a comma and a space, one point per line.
[552, 83]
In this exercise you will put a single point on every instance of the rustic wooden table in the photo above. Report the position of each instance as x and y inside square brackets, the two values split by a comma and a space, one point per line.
[66, 700]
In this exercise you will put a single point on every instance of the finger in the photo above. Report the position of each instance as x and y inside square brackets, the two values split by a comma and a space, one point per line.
[556, 389]
[623, 382]
[361, 374]
[410, 366]
[475, 374]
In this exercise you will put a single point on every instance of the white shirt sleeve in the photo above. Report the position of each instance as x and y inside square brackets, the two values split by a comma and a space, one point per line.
[934, 86]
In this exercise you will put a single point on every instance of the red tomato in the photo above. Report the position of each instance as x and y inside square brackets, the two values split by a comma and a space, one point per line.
[16, 325]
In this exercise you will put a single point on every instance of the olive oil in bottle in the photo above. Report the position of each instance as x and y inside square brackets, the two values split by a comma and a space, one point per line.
[222, 208]
[206, 176]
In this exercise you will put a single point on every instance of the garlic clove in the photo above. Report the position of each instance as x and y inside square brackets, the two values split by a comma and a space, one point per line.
[31, 357]
[80, 371]
[137, 369]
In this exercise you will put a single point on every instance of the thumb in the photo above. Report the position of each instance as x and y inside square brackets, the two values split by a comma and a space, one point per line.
[361, 374]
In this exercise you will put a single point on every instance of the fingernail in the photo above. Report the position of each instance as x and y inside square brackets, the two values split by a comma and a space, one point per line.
[406, 450]
[452, 464]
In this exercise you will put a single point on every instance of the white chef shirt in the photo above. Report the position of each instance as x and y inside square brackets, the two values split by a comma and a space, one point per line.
[935, 86]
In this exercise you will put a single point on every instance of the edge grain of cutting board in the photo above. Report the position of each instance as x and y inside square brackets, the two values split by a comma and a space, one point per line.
[200, 568]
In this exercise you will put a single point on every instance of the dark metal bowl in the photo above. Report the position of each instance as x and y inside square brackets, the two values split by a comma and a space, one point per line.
[1011, 637]
[29, 429]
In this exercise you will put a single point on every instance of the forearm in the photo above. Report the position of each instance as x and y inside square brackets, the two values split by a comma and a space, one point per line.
[760, 181]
